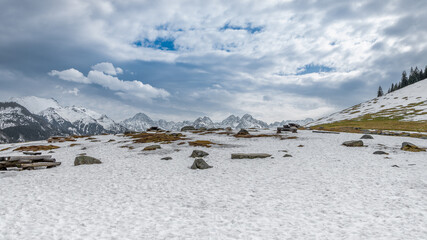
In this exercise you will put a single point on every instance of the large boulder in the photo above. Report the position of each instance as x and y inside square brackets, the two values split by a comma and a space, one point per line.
[187, 128]
[249, 155]
[151, 148]
[80, 160]
[200, 164]
[356, 143]
[407, 146]
[198, 154]
[367, 136]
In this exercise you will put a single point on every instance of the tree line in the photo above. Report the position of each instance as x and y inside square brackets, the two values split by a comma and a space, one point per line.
[415, 75]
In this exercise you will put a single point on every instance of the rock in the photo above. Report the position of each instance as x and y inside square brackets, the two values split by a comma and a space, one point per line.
[198, 154]
[380, 153]
[424, 137]
[367, 136]
[151, 148]
[51, 152]
[357, 143]
[166, 158]
[249, 155]
[300, 146]
[32, 153]
[407, 146]
[187, 128]
[202, 129]
[243, 132]
[83, 148]
[200, 164]
[228, 129]
[394, 166]
[287, 155]
[80, 160]
[154, 129]
[294, 129]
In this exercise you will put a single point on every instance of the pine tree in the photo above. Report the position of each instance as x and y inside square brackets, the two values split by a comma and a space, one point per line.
[425, 73]
[404, 81]
[393, 87]
[380, 92]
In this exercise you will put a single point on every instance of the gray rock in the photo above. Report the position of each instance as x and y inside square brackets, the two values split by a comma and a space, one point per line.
[380, 153]
[151, 148]
[80, 160]
[243, 132]
[367, 136]
[166, 158]
[287, 155]
[187, 128]
[249, 155]
[32, 153]
[424, 137]
[200, 164]
[356, 143]
[198, 154]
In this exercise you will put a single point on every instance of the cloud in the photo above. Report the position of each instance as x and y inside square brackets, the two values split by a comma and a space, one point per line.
[122, 88]
[107, 68]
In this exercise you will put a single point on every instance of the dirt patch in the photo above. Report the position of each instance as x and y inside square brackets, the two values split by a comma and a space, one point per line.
[156, 137]
[201, 143]
[74, 144]
[36, 148]
[4, 149]
[61, 139]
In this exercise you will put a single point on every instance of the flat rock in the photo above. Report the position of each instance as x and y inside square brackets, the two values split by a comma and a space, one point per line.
[198, 154]
[287, 155]
[32, 153]
[81, 160]
[243, 132]
[356, 143]
[249, 155]
[166, 158]
[380, 153]
[367, 136]
[151, 148]
[200, 164]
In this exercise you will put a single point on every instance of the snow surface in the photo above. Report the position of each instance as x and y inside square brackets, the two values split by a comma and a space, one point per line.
[325, 191]
[409, 102]
[36, 104]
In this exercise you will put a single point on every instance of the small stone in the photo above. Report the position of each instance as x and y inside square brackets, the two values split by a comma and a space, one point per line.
[394, 166]
[198, 154]
[166, 158]
[200, 164]
[80, 160]
[357, 143]
[300, 145]
[380, 153]
[287, 155]
[151, 148]
[367, 136]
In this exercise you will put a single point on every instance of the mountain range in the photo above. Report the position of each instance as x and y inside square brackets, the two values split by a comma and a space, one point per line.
[34, 118]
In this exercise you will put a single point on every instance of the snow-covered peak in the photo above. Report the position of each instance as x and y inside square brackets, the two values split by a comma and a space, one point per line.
[203, 122]
[36, 104]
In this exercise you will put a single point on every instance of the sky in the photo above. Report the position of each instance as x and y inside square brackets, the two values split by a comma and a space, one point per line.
[179, 60]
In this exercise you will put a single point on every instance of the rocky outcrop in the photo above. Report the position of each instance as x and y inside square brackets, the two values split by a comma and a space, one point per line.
[356, 143]
[200, 164]
[249, 155]
[82, 160]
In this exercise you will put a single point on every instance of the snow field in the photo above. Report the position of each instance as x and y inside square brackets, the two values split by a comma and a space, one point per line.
[325, 191]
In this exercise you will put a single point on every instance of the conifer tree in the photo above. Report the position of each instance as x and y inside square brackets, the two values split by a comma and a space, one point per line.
[380, 92]
[404, 81]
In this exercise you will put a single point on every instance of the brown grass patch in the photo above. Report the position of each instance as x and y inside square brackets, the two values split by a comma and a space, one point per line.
[74, 144]
[111, 140]
[201, 143]
[90, 138]
[181, 143]
[128, 146]
[156, 137]
[291, 137]
[4, 149]
[61, 139]
[36, 148]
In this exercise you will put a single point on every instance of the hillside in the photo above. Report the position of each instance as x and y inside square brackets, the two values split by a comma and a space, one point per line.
[404, 109]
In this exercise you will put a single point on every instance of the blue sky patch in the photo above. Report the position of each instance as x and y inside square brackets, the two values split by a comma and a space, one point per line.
[312, 68]
[249, 28]
[167, 44]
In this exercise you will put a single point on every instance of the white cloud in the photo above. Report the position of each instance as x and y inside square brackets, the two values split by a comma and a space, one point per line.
[71, 75]
[107, 68]
[122, 88]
